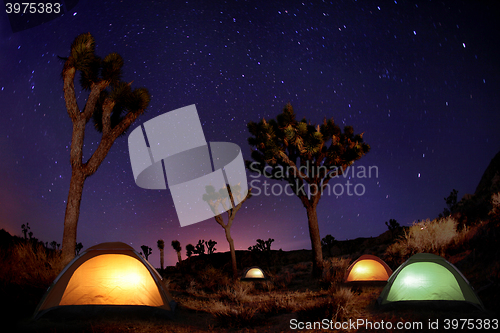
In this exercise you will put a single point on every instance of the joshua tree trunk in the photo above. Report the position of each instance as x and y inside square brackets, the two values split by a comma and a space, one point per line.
[106, 121]
[162, 258]
[233, 253]
[72, 214]
[179, 256]
[312, 219]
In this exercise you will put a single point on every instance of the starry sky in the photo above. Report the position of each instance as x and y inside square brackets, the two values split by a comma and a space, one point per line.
[419, 78]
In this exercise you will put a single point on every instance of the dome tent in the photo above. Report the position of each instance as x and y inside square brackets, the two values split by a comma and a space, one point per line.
[253, 274]
[368, 268]
[428, 277]
[107, 276]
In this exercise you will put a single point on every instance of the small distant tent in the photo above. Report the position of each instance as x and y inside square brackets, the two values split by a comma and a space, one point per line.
[368, 268]
[254, 274]
[108, 274]
[428, 277]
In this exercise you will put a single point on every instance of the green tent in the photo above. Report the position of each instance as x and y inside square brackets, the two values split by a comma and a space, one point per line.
[428, 277]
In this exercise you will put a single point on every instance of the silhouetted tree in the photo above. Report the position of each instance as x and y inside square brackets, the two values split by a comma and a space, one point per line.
[221, 197]
[262, 245]
[451, 202]
[146, 250]
[210, 246]
[26, 228]
[53, 244]
[304, 155]
[328, 242]
[392, 224]
[177, 247]
[200, 247]
[112, 111]
[161, 247]
[78, 248]
[189, 250]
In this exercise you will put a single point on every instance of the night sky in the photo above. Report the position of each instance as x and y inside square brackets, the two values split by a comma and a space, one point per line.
[419, 78]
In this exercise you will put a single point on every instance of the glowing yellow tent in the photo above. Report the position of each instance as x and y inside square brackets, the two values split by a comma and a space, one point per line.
[253, 274]
[368, 268]
[108, 274]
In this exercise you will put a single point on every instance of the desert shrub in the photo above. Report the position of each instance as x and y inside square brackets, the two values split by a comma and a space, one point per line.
[238, 292]
[30, 264]
[283, 280]
[301, 267]
[233, 315]
[344, 300]
[334, 270]
[279, 303]
[212, 279]
[427, 236]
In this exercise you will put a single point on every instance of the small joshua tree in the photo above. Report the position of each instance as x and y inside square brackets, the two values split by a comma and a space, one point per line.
[146, 250]
[177, 247]
[78, 248]
[200, 247]
[210, 246]
[189, 250]
[262, 245]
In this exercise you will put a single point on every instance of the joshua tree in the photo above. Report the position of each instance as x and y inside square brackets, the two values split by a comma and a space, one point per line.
[210, 246]
[214, 199]
[305, 156]
[78, 248]
[161, 247]
[177, 247]
[146, 250]
[262, 245]
[25, 228]
[113, 111]
[53, 244]
[200, 247]
[392, 224]
[451, 203]
[189, 250]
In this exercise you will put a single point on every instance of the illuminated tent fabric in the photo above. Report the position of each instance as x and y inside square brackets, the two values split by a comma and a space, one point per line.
[254, 273]
[428, 277]
[368, 268]
[108, 274]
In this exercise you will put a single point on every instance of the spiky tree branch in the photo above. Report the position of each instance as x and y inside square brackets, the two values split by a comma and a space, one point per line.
[112, 105]
[302, 154]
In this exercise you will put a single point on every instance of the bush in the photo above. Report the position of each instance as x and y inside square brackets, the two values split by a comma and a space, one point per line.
[427, 236]
[231, 315]
[334, 270]
[345, 304]
[31, 265]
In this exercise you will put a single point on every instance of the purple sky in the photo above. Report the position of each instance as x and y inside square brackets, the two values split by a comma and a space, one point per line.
[419, 78]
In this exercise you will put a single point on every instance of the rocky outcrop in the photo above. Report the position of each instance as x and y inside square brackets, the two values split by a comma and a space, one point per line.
[477, 206]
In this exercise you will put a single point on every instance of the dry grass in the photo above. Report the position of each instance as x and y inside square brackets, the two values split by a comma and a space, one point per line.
[345, 303]
[30, 265]
[334, 270]
[434, 236]
[231, 315]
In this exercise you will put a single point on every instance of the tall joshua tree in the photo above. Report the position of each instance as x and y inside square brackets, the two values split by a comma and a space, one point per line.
[177, 247]
[214, 199]
[161, 247]
[306, 157]
[113, 106]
